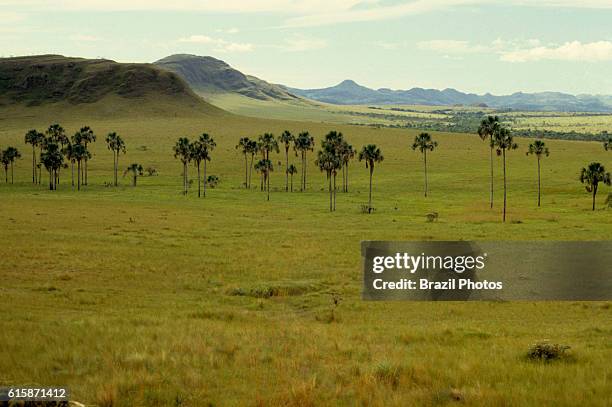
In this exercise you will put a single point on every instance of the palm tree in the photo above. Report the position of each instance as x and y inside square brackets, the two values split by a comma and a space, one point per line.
[116, 144]
[608, 144]
[329, 162]
[265, 167]
[136, 170]
[182, 151]
[371, 155]
[200, 151]
[333, 144]
[486, 130]
[244, 147]
[267, 143]
[346, 154]
[9, 156]
[35, 138]
[85, 136]
[424, 143]
[291, 170]
[539, 149]
[68, 152]
[52, 158]
[6, 162]
[252, 149]
[303, 143]
[56, 134]
[504, 140]
[81, 155]
[592, 176]
[286, 138]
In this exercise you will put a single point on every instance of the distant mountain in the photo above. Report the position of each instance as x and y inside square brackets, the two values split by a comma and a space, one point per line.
[209, 75]
[45, 79]
[350, 93]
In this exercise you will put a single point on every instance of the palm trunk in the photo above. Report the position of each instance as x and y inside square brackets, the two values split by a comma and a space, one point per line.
[12, 173]
[199, 181]
[72, 172]
[33, 164]
[40, 168]
[505, 189]
[78, 175]
[425, 164]
[330, 191]
[491, 194]
[539, 185]
[251, 169]
[50, 180]
[135, 179]
[334, 190]
[287, 168]
[370, 198]
[204, 178]
[347, 176]
[594, 195]
[292, 182]
[246, 171]
[268, 185]
[305, 170]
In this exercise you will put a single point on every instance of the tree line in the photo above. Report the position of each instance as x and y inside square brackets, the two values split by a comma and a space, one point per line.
[55, 151]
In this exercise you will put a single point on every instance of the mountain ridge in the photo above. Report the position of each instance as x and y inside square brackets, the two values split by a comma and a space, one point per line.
[206, 74]
[349, 92]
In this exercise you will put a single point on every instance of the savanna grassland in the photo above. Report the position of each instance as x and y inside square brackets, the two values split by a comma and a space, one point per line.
[140, 296]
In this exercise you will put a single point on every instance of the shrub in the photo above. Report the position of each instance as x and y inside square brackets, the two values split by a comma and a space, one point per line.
[212, 181]
[547, 351]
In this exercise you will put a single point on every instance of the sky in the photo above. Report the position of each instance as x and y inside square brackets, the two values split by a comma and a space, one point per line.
[496, 46]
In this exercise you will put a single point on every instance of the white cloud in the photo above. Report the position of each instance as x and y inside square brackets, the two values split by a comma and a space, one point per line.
[570, 51]
[299, 43]
[451, 47]
[298, 12]
[219, 45]
[525, 50]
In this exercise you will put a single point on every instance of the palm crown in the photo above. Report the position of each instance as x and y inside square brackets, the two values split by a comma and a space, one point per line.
[423, 143]
[370, 154]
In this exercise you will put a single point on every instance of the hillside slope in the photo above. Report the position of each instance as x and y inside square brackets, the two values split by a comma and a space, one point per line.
[45, 80]
[208, 75]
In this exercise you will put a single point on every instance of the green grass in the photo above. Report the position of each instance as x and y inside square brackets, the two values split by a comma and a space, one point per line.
[144, 297]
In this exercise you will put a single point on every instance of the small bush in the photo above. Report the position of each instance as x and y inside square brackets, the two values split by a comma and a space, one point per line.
[547, 351]
[212, 181]
[367, 208]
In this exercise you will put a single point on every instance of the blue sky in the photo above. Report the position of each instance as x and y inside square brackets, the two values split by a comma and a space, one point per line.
[497, 46]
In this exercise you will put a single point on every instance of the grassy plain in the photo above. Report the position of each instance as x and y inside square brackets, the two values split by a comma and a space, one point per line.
[127, 295]
[417, 116]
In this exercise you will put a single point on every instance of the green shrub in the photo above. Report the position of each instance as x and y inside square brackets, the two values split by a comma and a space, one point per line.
[547, 351]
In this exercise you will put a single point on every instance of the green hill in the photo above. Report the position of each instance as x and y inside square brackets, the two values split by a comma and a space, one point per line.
[96, 85]
[208, 75]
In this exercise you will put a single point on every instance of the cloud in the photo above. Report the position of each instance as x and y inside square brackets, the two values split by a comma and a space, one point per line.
[299, 43]
[525, 50]
[219, 45]
[570, 51]
[451, 47]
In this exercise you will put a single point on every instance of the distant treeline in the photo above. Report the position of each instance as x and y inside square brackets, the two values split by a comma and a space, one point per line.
[468, 122]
